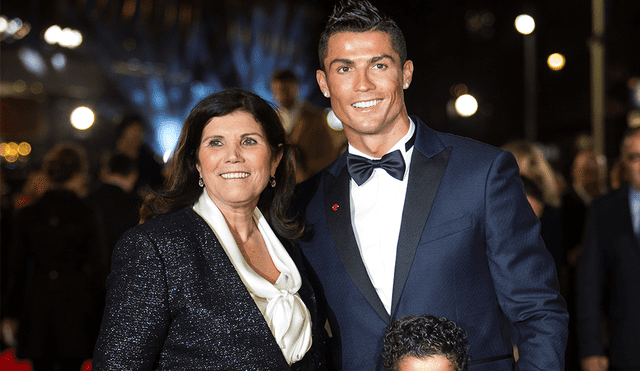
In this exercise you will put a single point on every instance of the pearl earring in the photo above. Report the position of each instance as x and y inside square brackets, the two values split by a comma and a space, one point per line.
[406, 85]
[326, 95]
[200, 182]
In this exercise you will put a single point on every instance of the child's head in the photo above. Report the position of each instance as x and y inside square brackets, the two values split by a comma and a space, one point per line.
[425, 343]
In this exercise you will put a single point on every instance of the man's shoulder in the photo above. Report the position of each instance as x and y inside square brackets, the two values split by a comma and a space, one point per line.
[461, 146]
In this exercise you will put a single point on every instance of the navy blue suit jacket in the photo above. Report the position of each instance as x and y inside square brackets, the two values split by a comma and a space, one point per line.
[469, 250]
[609, 272]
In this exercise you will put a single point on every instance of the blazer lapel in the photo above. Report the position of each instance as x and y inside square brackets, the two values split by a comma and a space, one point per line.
[246, 307]
[338, 213]
[425, 174]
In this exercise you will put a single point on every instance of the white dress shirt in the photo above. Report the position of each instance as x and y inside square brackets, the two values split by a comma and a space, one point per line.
[376, 215]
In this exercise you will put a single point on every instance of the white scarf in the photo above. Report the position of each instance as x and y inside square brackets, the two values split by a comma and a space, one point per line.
[279, 303]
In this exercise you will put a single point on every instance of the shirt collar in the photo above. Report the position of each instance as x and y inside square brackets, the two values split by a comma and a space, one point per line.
[402, 144]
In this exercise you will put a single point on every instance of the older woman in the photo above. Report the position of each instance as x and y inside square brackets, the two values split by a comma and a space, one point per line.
[205, 282]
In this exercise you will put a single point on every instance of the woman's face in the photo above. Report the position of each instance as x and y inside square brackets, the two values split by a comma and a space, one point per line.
[235, 160]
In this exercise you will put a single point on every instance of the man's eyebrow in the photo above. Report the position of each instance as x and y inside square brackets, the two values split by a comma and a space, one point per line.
[341, 61]
[381, 57]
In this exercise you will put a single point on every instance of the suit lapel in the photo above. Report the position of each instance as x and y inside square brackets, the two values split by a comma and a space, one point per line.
[425, 175]
[338, 213]
[428, 164]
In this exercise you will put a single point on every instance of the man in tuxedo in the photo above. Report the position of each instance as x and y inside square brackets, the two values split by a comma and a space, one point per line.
[609, 273]
[435, 224]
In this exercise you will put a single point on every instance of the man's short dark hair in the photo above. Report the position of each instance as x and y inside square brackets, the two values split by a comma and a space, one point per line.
[285, 75]
[425, 336]
[361, 16]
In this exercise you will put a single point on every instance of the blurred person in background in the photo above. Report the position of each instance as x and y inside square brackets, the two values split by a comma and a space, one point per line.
[534, 165]
[211, 279]
[35, 185]
[618, 175]
[609, 273]
[118, 209]
[130, 140]
[316, 144]
[550, 223]
[55, 263]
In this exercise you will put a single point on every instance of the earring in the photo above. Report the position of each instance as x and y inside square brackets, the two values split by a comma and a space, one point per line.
[406, 85]
[200, 182]
[326, 94]
[272, 182]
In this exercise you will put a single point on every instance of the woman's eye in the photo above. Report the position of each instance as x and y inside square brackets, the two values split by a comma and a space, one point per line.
[249, 141]
[215, 143]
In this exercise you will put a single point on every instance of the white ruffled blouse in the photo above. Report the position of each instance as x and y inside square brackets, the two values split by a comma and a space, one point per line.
[279, 303]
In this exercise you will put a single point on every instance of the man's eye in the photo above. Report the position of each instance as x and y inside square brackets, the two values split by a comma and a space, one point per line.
[343, 69]
[380, 66]
[633, 157]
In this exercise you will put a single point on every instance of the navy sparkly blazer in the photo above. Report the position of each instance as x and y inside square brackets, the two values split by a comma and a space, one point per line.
[175, 301]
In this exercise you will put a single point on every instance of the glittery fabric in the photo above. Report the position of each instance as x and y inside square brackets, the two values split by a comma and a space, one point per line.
[175, 302]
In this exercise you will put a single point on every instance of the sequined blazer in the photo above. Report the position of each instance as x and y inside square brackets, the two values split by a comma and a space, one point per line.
[174, 301]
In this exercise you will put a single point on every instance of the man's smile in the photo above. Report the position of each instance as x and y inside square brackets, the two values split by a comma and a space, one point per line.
[367, 104]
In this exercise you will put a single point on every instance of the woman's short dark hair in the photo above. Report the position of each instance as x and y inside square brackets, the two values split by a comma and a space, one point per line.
[425, 336]
[64, 161]
[182, 189]
[361, 16]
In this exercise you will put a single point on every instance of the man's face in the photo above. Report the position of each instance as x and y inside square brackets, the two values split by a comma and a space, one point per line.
[631, 153]
[285, 93]
[365, 81]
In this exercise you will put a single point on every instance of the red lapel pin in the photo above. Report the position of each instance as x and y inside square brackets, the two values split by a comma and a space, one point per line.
[335, 207]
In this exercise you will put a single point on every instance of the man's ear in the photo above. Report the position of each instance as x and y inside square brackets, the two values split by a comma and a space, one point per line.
[322, 83]
[407, 73]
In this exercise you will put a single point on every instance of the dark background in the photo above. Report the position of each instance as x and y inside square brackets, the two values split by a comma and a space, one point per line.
[186, 49]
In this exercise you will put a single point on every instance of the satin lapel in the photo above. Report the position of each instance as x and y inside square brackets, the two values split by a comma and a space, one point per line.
[336, 196]
[425, 175]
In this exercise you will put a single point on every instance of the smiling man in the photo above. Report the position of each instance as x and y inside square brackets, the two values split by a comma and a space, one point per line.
[409, 221]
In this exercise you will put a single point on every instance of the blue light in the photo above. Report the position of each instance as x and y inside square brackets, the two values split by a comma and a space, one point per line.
[32, 61]
[138, 96]
[167, 132]
[158, 98]
[175, 94]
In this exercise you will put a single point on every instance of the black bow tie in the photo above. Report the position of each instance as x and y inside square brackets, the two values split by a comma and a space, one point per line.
[361, 168]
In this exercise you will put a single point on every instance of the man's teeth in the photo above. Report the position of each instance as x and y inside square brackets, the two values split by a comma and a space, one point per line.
[234, 175]
[367, 104]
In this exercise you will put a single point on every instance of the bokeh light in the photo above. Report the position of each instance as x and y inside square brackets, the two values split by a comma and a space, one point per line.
[556, 61]
[525, 24]
[466, 105]
[82, 118]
